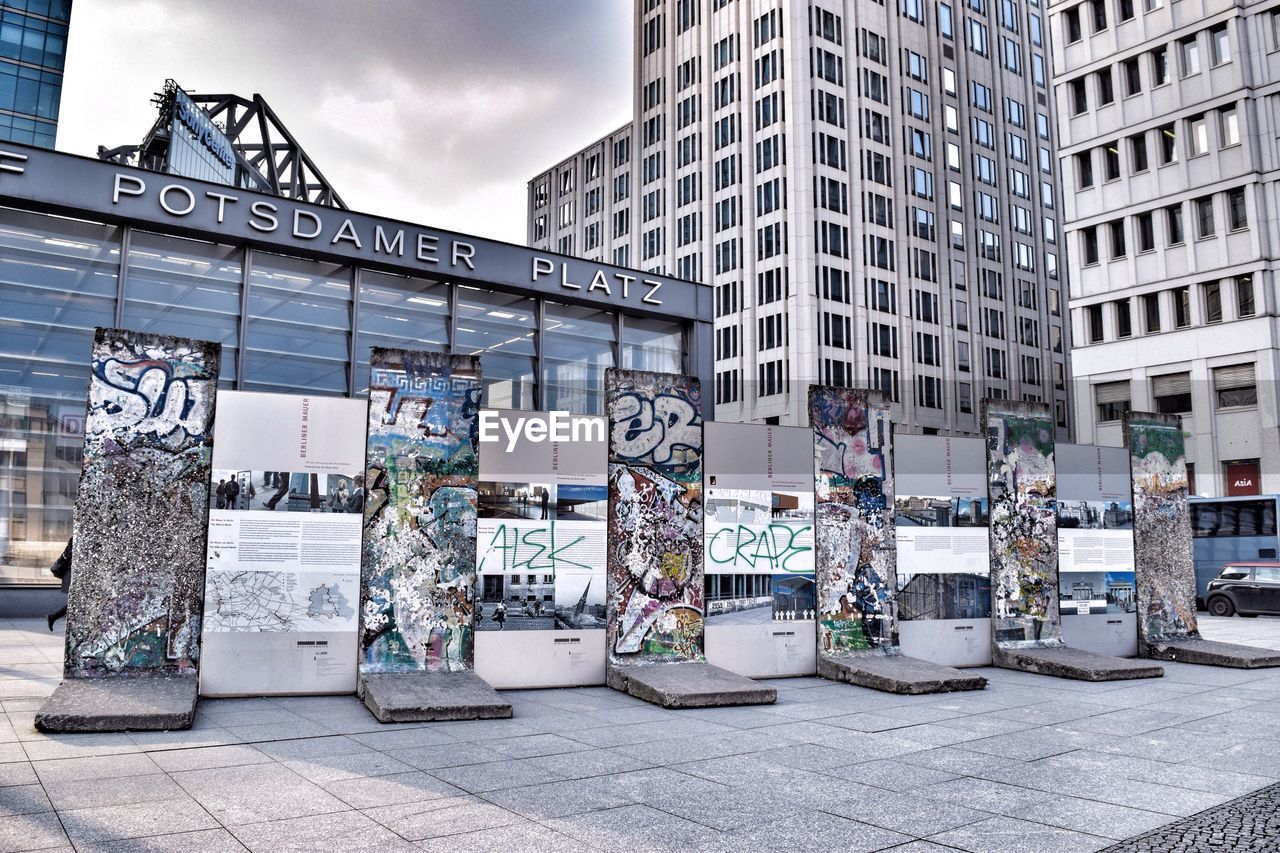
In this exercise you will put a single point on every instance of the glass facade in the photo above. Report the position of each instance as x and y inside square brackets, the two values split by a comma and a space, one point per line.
[33, 48]
[286, 324]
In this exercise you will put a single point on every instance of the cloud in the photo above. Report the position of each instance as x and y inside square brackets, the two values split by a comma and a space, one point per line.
[416, 111]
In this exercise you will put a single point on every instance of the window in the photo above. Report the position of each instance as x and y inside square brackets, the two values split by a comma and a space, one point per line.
[1235, 386]
[1106, 88]
[1173, 222]
[1229, 126]
[1118, 248]
[1159, 66]
[1084, 168]
[1079, 96]
[1132, 77]
[1212, 302]
[1124, 9]
[1146, 227]
[1099, 9]
[1220, 45]
[1168, 137]
[1189, 49]
[1244, 296]
[1237, 210]
[1094, 315]
[1182, 306]
[1124, 321]
[1112, 399]
[1071, 23]
[1151, 312]
[1204, 217]
[1199, 130]
[1172, 393]
[1138, 153]
[1111, 161]
[1089, 245]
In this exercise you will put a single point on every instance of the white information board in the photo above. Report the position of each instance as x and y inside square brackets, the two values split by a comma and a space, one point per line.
[540, 551]
[282, 585]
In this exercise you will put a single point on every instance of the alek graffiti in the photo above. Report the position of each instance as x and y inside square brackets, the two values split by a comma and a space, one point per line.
[1163, 564]
[418, 572]
[142, 509]
[1023, 522]
[854, 520]
[654, 595]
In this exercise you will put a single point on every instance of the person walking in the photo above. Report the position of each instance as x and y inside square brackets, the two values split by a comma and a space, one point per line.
[233, 493]
[355, 503]
[61, 569]
[282, 489]
[221, 494]
[546, 498]
[500, 615]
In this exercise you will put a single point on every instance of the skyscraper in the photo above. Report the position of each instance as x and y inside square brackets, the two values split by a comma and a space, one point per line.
[870, 188]
[33, 48]
[1168, 113]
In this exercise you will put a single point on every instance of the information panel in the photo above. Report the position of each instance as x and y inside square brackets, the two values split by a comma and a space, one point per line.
[540, 549]
[282, 586]
[944, 572]
[1096, 591]
[759, 584]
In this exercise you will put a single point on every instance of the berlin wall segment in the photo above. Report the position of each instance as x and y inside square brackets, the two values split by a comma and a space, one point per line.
[857, 631]
[418, 567]
[1022, 491]
[655, 595]
[1163, 562]
[141, 518]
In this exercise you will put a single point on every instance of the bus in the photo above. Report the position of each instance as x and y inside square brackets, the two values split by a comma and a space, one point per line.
[1226, 530]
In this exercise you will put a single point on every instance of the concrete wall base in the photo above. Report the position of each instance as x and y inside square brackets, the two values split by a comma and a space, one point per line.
[1211, 653]
[898, 674]
[691, 684]
[421, 697]
[120, 704]
[1066, 662]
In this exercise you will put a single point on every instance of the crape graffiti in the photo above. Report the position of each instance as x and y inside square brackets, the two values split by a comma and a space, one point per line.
[853, 520]
[1163, 563]
[418, 571]
[1023, 522]
[143, 505]
[655, 584]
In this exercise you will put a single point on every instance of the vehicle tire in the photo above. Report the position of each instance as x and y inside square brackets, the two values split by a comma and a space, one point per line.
[1220, 605]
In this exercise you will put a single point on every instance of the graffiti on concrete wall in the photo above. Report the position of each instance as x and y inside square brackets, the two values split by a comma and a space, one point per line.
[1023, 522]
[418, 571]
[655, 595]
[142, 509]
[853, 520]
[1163, 563]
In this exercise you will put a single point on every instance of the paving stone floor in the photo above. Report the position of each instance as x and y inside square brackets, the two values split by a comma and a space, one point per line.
[1250, 823]
[1030, 764]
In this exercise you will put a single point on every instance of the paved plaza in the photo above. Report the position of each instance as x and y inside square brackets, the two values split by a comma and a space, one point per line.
[1030, 764]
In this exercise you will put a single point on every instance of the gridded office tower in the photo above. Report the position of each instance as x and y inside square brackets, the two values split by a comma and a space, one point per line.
[871, 189]
[1169, 112]
[33, 48]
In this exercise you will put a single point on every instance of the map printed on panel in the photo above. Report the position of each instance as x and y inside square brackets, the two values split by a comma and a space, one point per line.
[282, 580]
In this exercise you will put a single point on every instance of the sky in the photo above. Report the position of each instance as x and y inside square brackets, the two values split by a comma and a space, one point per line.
[433, 111]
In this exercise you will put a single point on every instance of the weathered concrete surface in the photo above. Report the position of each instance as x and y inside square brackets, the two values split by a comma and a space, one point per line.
[692, 684]
[899, 674]
[1067, 662]
[119, 704]
[423, 697]
[1211, 653]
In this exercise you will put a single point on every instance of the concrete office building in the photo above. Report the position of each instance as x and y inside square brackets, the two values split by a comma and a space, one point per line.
[33, 48]
[870, 188]
[1168, 114]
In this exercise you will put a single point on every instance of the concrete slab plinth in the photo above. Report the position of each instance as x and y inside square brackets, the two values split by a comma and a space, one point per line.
[420, 697]
[691, 684]
[1068, 662]
[898, 674]
[1212, 653]
[120, 703]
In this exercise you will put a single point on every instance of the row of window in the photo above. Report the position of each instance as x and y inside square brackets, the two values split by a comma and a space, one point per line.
[1234, 387]
[1225, 122]
[1094, 13]
[1157, 309]
[1203, 209]
[1189, 64]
